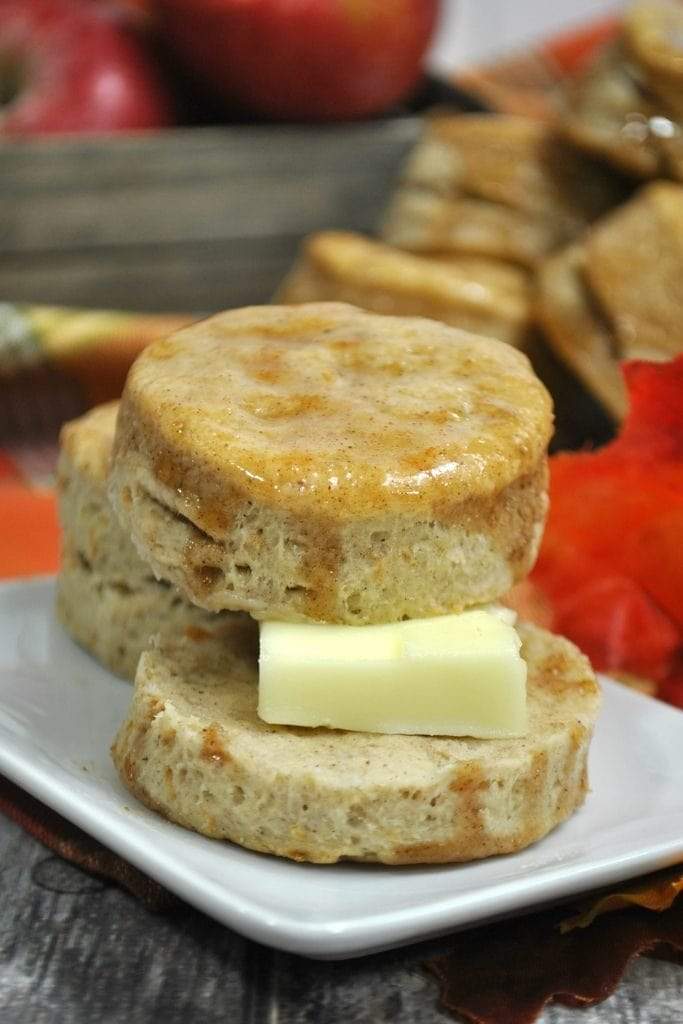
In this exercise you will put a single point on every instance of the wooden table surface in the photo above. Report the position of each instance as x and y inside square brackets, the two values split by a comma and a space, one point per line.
[75, 950]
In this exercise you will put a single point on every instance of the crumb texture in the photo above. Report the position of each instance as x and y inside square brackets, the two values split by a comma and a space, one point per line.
[107, 598]
[193, 749]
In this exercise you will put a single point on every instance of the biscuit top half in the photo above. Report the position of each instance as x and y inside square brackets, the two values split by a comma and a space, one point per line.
[323, 407]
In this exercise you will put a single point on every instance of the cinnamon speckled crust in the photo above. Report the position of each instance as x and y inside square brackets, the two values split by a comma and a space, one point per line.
[475, 293]
[193, 749]
[320, 463]
[107, 598]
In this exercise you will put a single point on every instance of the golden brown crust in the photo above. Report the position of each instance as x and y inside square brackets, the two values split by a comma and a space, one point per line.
[319, 462]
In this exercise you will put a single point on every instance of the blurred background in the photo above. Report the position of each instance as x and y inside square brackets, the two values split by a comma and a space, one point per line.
[510, 168]
[469, 32]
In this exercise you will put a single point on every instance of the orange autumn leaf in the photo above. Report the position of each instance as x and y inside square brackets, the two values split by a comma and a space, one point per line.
[611, 561]
[656, 892]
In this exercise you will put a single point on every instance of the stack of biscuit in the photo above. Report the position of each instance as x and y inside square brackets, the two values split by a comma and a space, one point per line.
[481, 201]
[503, 187]
[320, 464]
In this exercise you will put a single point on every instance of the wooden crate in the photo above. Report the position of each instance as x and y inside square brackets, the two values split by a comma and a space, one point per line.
[187, 220]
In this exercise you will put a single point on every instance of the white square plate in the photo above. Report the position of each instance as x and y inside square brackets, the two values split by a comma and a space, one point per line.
[58, 714]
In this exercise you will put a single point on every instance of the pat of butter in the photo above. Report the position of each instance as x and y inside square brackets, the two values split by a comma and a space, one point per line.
[455, 675]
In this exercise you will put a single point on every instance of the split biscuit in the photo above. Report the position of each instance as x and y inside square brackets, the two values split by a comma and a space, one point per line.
[193, 749]
[320, 463]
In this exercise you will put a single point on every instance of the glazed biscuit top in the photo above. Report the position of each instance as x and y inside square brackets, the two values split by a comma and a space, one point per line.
[326, 408]
[87, 441]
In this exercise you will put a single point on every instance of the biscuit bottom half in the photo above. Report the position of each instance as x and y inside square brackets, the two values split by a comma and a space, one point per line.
[115, 620]
[193, 749]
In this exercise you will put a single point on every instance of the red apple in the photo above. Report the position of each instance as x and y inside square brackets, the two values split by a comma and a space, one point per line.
[74, 66]
[303, 59]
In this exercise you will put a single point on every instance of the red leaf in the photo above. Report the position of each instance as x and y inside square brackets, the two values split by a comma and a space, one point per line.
[605, 615]
[30, 537]
[611, 561]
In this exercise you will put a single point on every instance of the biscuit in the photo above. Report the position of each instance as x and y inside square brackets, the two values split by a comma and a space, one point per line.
[477, 294]
[193, 749]
[429, 224]
[495, 185]
[320, 463]
[575, 329]
[607, 115]
[634, 267]
[107, 598]
[618, 293]
[628, 106]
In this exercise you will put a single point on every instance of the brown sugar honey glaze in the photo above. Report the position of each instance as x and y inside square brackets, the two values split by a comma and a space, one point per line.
[340, 415]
